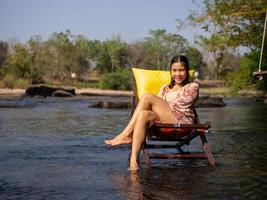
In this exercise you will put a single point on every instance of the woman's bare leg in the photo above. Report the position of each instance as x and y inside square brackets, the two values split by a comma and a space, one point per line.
[159, 111]
[139, 135]
[125, 137]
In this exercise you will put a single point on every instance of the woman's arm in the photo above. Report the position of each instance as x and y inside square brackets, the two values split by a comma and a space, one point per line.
[162, 91]
[189, 97]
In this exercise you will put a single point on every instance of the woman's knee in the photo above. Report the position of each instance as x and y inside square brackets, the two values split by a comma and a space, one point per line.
[146, 97]
[143, 116]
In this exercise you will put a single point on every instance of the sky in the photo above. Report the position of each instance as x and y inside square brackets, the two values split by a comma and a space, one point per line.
[94, 19]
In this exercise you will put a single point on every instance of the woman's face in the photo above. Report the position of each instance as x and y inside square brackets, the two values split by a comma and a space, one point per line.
[178, 73]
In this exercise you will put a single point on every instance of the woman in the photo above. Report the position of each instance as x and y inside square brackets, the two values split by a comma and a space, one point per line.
[173, 104]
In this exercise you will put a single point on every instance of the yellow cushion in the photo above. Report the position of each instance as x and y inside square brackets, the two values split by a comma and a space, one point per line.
[150, 81]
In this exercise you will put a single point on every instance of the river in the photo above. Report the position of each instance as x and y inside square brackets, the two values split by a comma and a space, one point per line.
[55, 150]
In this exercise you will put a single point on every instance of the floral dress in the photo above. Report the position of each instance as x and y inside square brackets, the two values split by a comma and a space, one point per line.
[181, 102]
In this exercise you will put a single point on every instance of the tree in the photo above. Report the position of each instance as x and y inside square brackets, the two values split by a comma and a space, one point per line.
[117, 51]
[161, 46]
[67, 54]
[19, 62]
[112, 55]
[103, 61]
[138, 56]
[239, 22]
[175, 44]
[195, 58]
[155, 47]
[64, 61]
[242, 78]
[219, 58]
[3, 56]
[38, 60]
[3, 52]
[80, 56]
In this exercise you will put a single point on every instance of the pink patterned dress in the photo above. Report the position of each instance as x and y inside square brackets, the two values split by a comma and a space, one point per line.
[181, 102]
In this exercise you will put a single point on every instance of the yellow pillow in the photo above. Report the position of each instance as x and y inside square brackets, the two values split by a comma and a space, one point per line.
[150, 81]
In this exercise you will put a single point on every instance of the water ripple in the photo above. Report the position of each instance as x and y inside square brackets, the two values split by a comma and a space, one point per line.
[56, 150]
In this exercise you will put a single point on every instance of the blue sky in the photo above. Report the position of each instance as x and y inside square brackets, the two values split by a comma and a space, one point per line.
[94, 19]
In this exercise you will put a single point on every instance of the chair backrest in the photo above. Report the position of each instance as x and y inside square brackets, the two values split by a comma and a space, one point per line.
[150, 81]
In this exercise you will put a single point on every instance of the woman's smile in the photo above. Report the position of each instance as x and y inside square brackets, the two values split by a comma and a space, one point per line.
[178, 73]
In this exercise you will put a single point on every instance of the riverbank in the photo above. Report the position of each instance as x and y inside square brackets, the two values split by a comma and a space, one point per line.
[213, 91]
[5, 92]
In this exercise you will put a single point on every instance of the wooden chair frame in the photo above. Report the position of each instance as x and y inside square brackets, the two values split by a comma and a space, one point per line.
[197, 130]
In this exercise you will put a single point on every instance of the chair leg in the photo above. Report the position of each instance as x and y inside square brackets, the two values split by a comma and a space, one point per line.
[207, 150]
[146, 158]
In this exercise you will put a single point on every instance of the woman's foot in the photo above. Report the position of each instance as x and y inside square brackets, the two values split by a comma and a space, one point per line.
[133, 165]
[119, 140]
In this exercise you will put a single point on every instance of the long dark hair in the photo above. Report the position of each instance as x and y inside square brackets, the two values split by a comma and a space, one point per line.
[183, 61]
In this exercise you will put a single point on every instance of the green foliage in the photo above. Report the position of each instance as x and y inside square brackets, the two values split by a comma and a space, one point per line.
[219, 58]
[2, 72]
[86, 85]
[119, 80]
[162, 46]
[63, 54]
[3, 52]
[195, 58]
[241, 22]
[19, 62]
[243, 78]
[103, 62]
[10, 81]
[112, 55]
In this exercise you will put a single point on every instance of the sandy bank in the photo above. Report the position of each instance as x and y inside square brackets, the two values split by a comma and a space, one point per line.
[5, 91]
[93, 91]
[83, 91]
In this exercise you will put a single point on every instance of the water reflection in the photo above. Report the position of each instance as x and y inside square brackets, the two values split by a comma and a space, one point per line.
[165, 183]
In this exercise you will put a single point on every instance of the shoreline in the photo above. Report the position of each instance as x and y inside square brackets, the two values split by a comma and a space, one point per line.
[6, 92]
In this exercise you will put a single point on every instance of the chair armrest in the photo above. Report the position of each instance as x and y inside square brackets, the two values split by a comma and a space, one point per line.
[206, 125]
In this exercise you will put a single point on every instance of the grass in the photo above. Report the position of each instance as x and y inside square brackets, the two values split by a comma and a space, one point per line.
[76, 84]
[224, 91]
[10, 81]
[86, 85]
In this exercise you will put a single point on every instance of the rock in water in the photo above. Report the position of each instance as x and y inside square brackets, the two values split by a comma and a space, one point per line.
[210, 101]
[46, 91]
[204, 101]
[61, 93]
[112, 104]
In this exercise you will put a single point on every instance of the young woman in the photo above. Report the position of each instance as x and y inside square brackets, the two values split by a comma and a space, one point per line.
[173, 104]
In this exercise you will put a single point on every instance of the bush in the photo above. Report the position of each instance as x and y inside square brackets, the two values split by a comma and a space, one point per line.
[10, 81]
[243, 78]
[119, 80]
[2, 84]
[22, 83]
[86, 84]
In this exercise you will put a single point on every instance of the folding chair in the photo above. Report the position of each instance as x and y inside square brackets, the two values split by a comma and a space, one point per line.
[168, 136]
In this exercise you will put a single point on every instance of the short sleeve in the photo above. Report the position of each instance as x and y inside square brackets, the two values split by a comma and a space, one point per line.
[189, 96]
[162, 91]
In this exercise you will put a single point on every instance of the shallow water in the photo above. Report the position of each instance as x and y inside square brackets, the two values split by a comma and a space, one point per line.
[55, 150]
